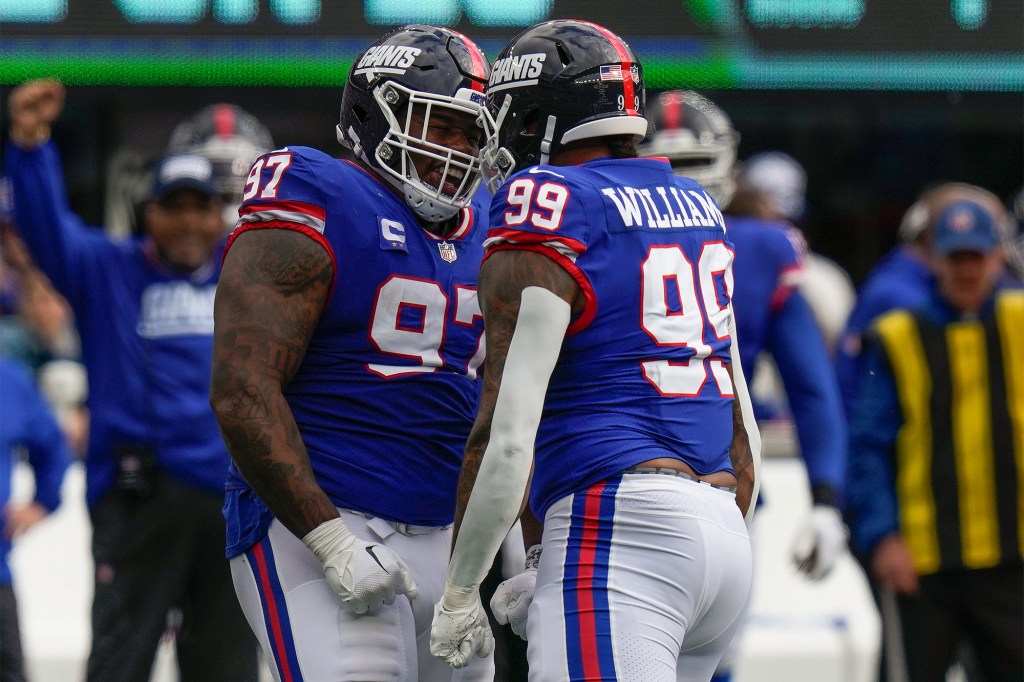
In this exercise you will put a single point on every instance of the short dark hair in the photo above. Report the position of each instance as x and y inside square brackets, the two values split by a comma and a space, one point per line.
[622, 146]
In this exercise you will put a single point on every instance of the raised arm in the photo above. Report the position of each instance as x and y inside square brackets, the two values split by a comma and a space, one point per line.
[58, 240]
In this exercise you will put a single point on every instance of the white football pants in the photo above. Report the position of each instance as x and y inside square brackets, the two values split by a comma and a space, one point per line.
[644, 578]
[309, 635]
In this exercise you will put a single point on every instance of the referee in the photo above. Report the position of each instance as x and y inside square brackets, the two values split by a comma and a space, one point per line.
[936, 461]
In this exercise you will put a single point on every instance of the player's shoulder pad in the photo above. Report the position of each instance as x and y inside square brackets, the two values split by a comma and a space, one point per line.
[527, 181]
[289, 173]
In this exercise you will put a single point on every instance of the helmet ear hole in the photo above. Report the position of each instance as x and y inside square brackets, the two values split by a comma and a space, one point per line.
[531, 121]
[361, 114]
[563, 54]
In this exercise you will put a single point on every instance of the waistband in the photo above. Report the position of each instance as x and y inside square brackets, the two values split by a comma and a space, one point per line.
[403, 528]
[679, 474]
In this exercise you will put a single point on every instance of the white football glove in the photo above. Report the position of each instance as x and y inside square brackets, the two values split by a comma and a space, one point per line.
[365, 575]
[460, 628]
[511, 601]
[820, 542]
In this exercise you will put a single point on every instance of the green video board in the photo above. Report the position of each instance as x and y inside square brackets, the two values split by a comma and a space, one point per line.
[913, 45]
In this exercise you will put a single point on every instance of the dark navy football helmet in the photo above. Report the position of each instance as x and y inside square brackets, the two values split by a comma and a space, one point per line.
[697, 138]
[427, 69]
[558, 82]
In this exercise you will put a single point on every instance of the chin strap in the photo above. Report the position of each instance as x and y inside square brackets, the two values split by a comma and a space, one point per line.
[549, 135]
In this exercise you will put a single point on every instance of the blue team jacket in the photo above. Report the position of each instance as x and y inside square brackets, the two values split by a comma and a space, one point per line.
[26, 421]
[146, 332]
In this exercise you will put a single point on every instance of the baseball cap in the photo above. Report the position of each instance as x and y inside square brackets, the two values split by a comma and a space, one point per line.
[184, 171]
[966, 226]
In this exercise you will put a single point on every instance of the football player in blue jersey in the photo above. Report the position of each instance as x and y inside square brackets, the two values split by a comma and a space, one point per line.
[609, 391]
[772, 315]
[347, 344]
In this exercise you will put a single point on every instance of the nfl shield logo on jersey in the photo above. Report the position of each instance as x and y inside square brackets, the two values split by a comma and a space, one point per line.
[448, 253]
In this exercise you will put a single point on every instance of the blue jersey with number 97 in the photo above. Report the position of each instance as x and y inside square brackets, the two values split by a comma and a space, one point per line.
[642, 372]
[386, 393]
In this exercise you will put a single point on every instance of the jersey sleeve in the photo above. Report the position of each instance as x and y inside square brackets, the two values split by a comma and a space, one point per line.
[544, 211]
[61, 244]
[283, 191]
[45, 444]
[788, 249]
[871, 474]
[539, 208]
[812, 391]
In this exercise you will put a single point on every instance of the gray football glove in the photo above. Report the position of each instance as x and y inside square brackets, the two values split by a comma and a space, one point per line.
[511, 601]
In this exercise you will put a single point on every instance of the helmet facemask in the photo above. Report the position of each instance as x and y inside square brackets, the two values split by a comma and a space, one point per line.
[232, 156]
[697, 138]
[403, 145]
[499, 162]
[708, 161]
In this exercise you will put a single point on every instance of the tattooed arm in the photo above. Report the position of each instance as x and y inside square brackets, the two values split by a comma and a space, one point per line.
[271, 292]
[740, 455]
[272, 289]
[745, 451]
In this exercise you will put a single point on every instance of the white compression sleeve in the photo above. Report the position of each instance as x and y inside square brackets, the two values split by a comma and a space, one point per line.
[747, 408]
[505, 469]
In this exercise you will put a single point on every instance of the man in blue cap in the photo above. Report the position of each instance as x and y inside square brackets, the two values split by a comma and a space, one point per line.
[936, 459]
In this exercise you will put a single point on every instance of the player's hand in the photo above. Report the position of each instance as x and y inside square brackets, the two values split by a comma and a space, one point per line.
[893, 565]
[18, 518]
[34, 106]
[511, 601]
[460, 628]
[820, 542]
[365, 575]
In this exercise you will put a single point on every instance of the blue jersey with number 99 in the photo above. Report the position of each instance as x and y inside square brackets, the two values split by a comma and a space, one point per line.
[642, 372]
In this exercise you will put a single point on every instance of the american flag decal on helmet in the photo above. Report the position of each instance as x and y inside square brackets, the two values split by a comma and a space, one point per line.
[611, 72]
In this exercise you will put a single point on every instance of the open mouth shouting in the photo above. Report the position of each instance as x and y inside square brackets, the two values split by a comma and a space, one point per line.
[449, 184]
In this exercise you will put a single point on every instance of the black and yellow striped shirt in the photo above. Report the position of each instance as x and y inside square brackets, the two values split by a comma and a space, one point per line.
[960, 450]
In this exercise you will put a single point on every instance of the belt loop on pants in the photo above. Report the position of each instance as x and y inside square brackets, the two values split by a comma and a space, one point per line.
[408, 529]
[665, 471]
